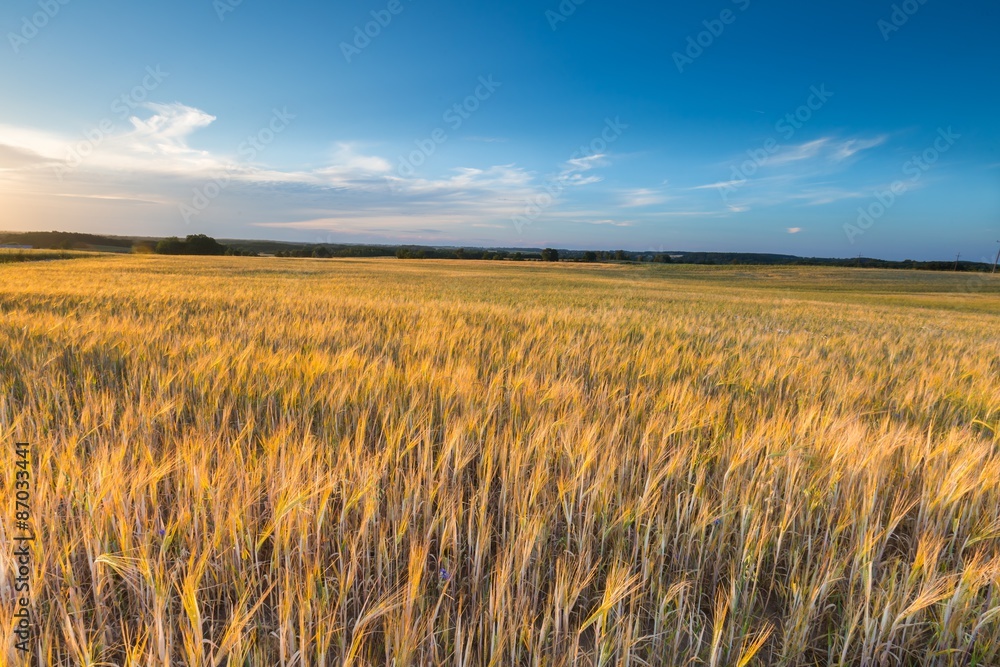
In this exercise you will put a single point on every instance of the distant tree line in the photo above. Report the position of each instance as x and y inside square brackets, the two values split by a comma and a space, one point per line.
[545, 255]
[195, 244]
[422, 252]
[64, 240]
[200, 244]
[324, 252]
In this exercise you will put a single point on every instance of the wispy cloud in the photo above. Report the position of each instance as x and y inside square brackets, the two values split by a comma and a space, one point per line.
[851, 147]
[348, 169]
[685, 214]
[798, 152]
[642, 197]
[13, 157]
[806, 173]
[820, 194]
[486, 140]
[828, 149]
[612, 223]
[115, 198]
[717, 185]
[573, 170]
[37, 143]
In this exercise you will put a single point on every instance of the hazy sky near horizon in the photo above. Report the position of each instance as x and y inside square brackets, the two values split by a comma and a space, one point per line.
[812, 128]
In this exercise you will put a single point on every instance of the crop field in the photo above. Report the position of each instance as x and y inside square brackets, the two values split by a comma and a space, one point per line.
[263, 461]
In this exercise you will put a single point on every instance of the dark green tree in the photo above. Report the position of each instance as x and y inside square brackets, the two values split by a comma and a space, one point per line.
[170, 246]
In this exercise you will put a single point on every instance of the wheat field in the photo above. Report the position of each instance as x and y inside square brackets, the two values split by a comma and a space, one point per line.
[259, 461]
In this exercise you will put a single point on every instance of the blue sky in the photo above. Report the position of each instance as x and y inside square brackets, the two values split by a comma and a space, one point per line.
[821, 128]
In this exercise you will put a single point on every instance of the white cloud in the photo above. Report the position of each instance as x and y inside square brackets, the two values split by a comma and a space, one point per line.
[348, 168]
[612, 223]
[719, 185]
[642, 197]
[798, 152]
[817, 194]
[347, 158]
[168, 129]
[851, 147]
[807, 173]
[794, 230]
[825, 148]
[117, 198]
[573, 170]
[157, 144]
[28, 140]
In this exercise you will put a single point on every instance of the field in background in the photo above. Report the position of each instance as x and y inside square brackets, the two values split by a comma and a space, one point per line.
[367, 462]
[17, 255]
